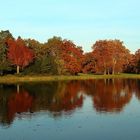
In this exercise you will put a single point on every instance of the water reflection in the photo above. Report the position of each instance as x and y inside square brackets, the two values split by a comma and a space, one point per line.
[64, 98]
[110, 95]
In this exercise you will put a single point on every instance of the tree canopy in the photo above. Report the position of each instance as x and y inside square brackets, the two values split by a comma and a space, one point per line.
[59, 56]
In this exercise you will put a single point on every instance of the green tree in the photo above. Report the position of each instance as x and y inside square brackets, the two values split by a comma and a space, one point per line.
[45, 57]
[4, 63]
[54, 46]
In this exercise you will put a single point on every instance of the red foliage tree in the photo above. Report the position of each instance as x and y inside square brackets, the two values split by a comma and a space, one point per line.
[72, 57]
[19, 54]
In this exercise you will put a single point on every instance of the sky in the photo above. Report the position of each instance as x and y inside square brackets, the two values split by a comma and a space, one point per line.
[82, 21]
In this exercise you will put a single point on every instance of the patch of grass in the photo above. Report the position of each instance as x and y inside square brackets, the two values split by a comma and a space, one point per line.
[43, 78]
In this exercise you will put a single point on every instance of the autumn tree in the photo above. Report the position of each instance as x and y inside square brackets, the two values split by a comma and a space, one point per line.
[101, 55]
[134, 63]
[19, 54]
[66, 54]
[38, 48]
[120, 56]
[111, 55]
[72, 56]
[130, 67]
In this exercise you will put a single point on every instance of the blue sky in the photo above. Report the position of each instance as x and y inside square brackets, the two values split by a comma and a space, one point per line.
[82, 21]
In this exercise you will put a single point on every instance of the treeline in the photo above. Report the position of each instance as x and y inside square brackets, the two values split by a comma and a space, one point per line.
[59, 56]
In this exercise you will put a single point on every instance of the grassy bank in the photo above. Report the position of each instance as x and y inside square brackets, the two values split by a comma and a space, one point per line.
[42, 78]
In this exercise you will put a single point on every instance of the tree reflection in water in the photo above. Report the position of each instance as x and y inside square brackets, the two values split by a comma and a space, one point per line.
[63, 98]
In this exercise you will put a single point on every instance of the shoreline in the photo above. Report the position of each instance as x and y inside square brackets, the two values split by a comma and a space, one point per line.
[9, 79]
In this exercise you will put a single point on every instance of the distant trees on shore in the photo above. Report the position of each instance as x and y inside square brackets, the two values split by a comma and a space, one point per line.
[58, 56]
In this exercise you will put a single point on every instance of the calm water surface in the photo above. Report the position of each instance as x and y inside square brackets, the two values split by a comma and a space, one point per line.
[72, 110]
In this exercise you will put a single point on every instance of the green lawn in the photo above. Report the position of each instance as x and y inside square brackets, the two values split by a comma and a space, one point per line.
[43, 78]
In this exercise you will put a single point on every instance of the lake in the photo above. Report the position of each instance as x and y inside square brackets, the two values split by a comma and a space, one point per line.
[107, 109]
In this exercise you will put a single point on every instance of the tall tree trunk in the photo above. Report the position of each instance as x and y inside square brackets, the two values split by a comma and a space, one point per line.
[17, 69]
[105, 72]
[108, 72]
[113, 69]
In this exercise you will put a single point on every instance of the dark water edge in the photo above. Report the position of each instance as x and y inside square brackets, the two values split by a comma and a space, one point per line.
[88, 109]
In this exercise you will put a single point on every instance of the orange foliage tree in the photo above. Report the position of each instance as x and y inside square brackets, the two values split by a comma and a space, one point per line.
[134, 63]
[72, 57]
[111, 56]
